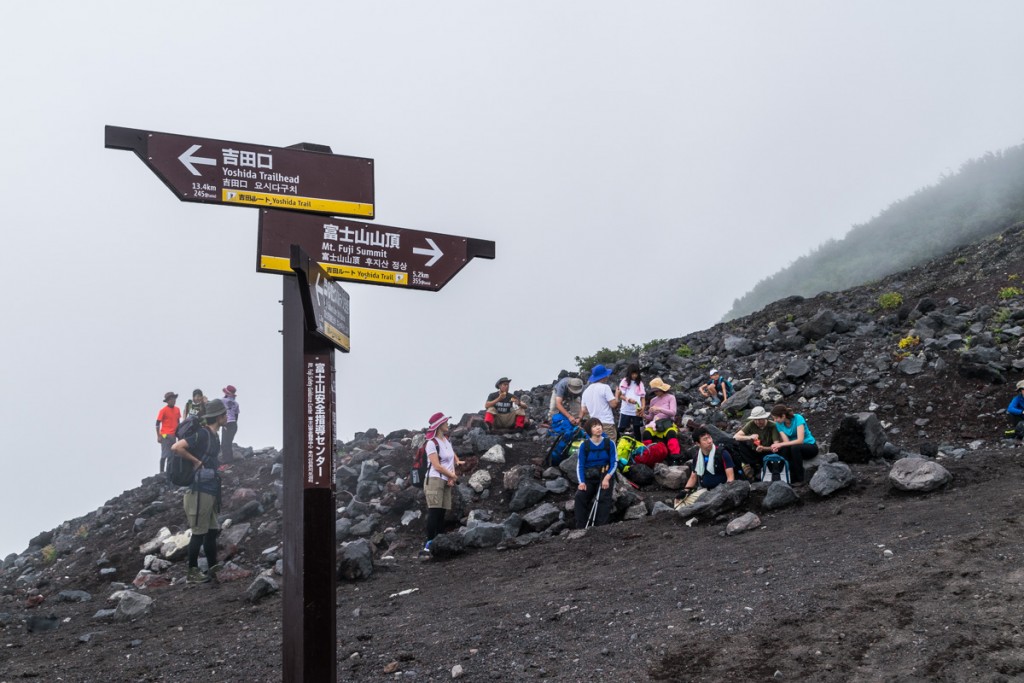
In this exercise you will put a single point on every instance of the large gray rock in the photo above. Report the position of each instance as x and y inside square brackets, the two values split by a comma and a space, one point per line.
[483, 535]
[859, 438]
[541, 517]
[720, 499]
[797, 369]
[529, 493]
[515, 475]
[779, 495]
[495, 454]
[132, 606]
[819, 326]
[568, 467]
[740, 399]
[671, 476]
[355, 560]
[737, 346]
[447, 545]
[918, 474]
[261, 588]
[832, 477]
[745, 522]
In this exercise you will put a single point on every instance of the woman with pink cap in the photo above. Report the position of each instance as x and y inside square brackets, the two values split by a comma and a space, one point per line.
[441, 475]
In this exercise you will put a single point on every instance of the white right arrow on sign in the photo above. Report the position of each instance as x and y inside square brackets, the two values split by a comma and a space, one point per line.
[434, 252]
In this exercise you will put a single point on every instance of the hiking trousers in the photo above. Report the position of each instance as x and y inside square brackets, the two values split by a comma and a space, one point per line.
[584, 501]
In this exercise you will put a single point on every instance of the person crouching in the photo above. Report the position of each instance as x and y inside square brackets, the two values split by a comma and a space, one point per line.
[595, 467]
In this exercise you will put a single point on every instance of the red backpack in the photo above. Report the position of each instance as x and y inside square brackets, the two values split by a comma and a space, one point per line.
[421, 464]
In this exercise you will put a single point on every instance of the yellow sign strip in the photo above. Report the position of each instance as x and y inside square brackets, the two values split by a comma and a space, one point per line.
[341, 272]
[284, 201]
[337, 336]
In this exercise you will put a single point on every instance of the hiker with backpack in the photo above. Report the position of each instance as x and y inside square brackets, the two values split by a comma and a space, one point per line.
[595, 470]
[167, 420]
[564, 411]
[441, 476]
[504, 410]
[712, 466]
[717, 388]
[754, 440]
[797, 442]
[202, 500]
[631, 396]
[194, 406]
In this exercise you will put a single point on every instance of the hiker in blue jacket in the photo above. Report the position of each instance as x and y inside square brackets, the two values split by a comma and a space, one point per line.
[595, 468]
[1015, 413]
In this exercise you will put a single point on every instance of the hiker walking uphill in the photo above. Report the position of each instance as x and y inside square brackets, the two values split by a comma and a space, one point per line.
[595, 469]
[441, 475]
[599, 400]
[167, 420]
[227, 452]
[797, 442]
[202, 501]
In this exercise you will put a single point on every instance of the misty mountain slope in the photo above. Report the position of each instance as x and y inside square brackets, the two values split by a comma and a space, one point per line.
[932, 351]
[985, 196]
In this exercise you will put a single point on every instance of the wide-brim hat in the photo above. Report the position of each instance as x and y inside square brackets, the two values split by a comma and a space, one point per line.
[215, 408]
[169, 395]
[575, 385]
[436, 420]
[230, 390]
[501, 381]
[659, 384]
[759, 413]
[598, 373]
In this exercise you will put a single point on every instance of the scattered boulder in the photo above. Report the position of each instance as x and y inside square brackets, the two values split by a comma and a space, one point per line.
[832, 477]
[779, 495]
[859, 438]
[918, 474]
[528, 493]
[722, 498]
[132, 606]
[745, 522]
[355, 560]
[542, 516]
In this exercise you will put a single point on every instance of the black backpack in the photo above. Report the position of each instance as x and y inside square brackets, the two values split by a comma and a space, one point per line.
[421, 464]
[181, 471]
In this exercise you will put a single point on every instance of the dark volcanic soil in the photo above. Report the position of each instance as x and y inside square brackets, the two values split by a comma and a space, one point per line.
[809, 595]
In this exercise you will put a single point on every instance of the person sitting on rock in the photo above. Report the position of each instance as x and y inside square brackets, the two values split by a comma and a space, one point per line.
[564, 413]
[1015, 413]
[661, 421]
[797, 442]
[754, 441]
[595, 467]
[717, 388]
[711, 466]
[504, 410]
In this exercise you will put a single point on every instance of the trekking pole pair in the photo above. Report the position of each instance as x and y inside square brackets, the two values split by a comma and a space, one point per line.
[593, 510]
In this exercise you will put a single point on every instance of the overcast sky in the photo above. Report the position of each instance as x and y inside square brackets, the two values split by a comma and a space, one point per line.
[618, 154]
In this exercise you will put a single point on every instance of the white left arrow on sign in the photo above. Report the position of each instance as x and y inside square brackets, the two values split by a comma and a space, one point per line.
[187, 159]
[433, 252]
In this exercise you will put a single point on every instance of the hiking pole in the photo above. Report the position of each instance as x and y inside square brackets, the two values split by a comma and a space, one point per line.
[593, 510]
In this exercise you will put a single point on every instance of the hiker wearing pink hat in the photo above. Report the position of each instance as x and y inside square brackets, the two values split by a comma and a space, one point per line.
[441, 475]
[227, 452]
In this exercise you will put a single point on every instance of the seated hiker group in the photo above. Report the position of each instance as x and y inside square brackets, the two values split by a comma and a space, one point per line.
[769, 445]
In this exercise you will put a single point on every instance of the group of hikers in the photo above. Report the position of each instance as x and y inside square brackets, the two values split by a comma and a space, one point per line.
[199, 443]
[648, 430]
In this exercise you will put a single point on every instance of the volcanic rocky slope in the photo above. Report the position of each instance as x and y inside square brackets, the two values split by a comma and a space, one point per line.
[931, 354]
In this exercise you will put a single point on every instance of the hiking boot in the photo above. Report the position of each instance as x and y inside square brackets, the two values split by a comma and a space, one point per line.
[213, 571]
[196, 575]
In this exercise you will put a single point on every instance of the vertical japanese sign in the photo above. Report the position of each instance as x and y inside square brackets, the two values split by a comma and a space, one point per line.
[320, 428]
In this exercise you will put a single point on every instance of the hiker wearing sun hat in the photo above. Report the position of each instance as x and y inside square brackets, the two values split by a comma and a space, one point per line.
[167, 420]
[441, 475]
[504, 411]
[754, 440]
[599, 400]
[227, 452]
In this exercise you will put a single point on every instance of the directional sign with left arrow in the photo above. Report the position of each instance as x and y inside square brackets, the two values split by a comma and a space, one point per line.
[366, 252]
[244, 174]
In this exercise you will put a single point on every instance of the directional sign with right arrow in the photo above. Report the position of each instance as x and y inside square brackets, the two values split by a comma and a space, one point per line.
[366, 252]
[243, 174]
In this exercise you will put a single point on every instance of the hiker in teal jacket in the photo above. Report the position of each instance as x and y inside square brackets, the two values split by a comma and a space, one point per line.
[595, 470]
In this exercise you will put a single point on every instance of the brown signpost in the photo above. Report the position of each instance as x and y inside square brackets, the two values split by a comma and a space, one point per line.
[308, 179]
[366, 252]
[211, 171]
